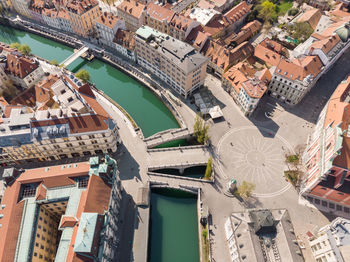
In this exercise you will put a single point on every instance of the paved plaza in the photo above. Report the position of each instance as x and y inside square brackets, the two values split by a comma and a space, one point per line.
[257, 156]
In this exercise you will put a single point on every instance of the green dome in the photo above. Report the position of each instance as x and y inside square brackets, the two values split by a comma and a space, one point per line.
[343, 32]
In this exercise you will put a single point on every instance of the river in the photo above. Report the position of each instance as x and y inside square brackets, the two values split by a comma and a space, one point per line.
[173, 227]
[148, 111]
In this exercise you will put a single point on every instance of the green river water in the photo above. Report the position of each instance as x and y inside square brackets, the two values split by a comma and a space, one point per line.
[173, 227]
[150, 114]
[173, 232]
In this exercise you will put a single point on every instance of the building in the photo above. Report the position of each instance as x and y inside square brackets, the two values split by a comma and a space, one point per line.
[107, 26]
[326, 48]
[269, 52]
[246, 89]
[326, 157]
[311, 17]
[131, 11]
[175, 62]
[61, 213]
[22, 7]
[236, 16]
[36, 8]
[262, 235]
[222, 58]
[23, 71]
[246, 32]
[158, 17]
[4, 79]
[180, 27]
[64, 21]
[124, 43]
[198, 39]
[57, 118]
[202, 15]
[332, 242]
[293, 79]
[49, 16]
[82, 16]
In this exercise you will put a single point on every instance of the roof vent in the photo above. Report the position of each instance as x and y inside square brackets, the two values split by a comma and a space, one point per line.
[47, 169]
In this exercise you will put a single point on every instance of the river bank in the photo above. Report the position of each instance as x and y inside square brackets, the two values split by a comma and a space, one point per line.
[147, 110]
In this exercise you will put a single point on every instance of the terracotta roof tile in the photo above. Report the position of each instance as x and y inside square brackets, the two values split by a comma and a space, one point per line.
[312, 17]
[327, 44]
[20, 66]
[107, 19]
[133, 8]
[238, 11]
[159, 13]
[125, 38]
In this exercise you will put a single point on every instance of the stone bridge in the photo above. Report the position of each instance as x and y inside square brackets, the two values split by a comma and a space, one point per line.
[177, 157]
[74, 56]
[167, 136]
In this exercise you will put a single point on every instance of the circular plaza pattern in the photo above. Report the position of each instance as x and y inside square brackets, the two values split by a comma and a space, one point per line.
[256, 155]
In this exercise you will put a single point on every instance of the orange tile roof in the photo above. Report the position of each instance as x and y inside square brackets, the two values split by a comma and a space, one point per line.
[132, 7]
[205, 4]
[68, 221]
[12, 213]
[159, 13]
[107, 19]
[197, 38]
[81, 6]
[94, 199]
[299, 68]
[267, 55]
[242, 76]
[20, 66]
[63, 14]
[338, 112]
[181, 22]
[125, 38]
[265, 75]
[327, 44]
[312, 17]
[40, 192]
[340, 11]
[237, 12]
[3, 101]
[40, 93]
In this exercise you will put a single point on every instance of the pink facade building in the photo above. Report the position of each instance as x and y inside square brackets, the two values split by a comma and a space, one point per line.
[327, 157]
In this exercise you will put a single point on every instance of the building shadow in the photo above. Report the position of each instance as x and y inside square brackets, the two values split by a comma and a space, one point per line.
[127, 165]
[314, 101]
[129, 209]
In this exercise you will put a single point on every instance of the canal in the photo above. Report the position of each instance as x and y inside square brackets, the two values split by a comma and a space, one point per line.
[149, 112]
[173, 227]
[174, 232]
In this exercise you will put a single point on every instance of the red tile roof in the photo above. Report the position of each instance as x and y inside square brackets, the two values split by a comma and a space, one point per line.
[238, 12]
[159, 13]
[131, 7]
[107, 19]
[299, 68]
[125, 38]
[81, 6]
[20, 66]
[312, 17]
[268, 55]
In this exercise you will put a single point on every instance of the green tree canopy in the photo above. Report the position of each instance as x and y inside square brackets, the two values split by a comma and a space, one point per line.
[301, 31]
[209, 168]
[15, 45]
[246, 189]
[54, 62]
[25, 49]
[83, 75]
[267, 11]
[200, 130]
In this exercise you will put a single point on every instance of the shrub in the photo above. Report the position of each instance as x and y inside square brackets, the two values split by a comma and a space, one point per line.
[293, 11]
[209, 169]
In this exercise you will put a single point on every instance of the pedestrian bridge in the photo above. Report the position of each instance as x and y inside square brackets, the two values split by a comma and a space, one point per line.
[177, 157]
[74, 56]
[167, 136]
[176, 184]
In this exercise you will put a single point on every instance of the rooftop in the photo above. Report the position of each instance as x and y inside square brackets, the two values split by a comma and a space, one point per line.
[132, 7]
[159, 13]
[181, 54]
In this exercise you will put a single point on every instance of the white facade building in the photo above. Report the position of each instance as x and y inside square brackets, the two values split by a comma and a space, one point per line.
[332, 242]
[107, 26]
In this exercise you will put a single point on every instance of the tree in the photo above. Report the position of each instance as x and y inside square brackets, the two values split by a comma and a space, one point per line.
[83, 75]
[54, 62]
[301, 31]
[267, 11]
[245, 189]
[15, 45]
[200, 130]
[293, 11]
[25, 49]
[209, 169]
